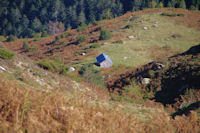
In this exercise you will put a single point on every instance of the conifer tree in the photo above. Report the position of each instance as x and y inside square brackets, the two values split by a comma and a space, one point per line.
[182, 4]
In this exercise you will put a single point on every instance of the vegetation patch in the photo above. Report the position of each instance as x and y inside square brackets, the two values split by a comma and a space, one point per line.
[81, 27]
[28, 48]
[65, 34]
[37, 35]
[176, 36]
[96, 45]
[128, 26]
[6, 54]
[11, 38]
[91, 74]
[105, 35]
[3, 38]
[118, 42]
[172, 14]
[81, 39]
[44, 34]
[54, 65]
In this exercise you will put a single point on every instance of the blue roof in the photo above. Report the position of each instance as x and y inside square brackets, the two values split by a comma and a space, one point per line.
[102, 57]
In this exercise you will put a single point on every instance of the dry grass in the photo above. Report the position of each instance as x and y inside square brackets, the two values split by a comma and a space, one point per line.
[27, 110]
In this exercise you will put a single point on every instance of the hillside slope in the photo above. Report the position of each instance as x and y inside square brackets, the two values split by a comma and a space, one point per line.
[174, 82]
[153, 85]
[52, 103]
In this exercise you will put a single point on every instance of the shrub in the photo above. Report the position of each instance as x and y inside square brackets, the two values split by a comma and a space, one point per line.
[181, 14]
[57, 38]
[95, 22]
[5, 54]
[44, 34]
[176, 36]
[172, 14]
[105, 35]
[65, 34]
[12, 38]
[81, 27]
[128, 26]
[2, 38]
[36, 35]
[151, 74]
[26, 47]
[91, 75]
[54, 65]
[119, 42]
[81, 39]
[96, 45]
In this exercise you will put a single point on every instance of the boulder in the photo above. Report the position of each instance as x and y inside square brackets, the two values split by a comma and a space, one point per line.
[125, 58]
[131, 37]
[117, 45]
[155, 25]
[146, 81]
[83, 54]
[2, 68]
[71, 69]
[145, 28]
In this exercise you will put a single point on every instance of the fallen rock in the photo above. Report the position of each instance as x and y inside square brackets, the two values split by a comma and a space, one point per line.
[125, 58]
[105, 43]
[2, 68]
[131, 37]
[155, 25]
[156, 22]
[99, 114]
[71, 69]
[146, 81]
[145, 28]
[83, 54]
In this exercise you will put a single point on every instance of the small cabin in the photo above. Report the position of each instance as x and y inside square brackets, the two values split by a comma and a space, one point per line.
[104, 61]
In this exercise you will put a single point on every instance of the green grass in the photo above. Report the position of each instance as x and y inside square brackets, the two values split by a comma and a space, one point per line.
[91, 74]
[140, 50]
[6, 54]
[54, 65]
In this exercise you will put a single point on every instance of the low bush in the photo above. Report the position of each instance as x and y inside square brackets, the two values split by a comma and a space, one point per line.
[6, 54]
[11, 38]
[181, 14]
[172, 14]
[81, 39]
[65, 34]
[57, 38]
[36, 35]
[105, 35]
[176, 36]
[96, 45]
[151, 74]
[3, 38]
[26, 47]
[119, 42]
[91, 75]
[54, 65]
[81, 27]
[44, 34]
[128, 26]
